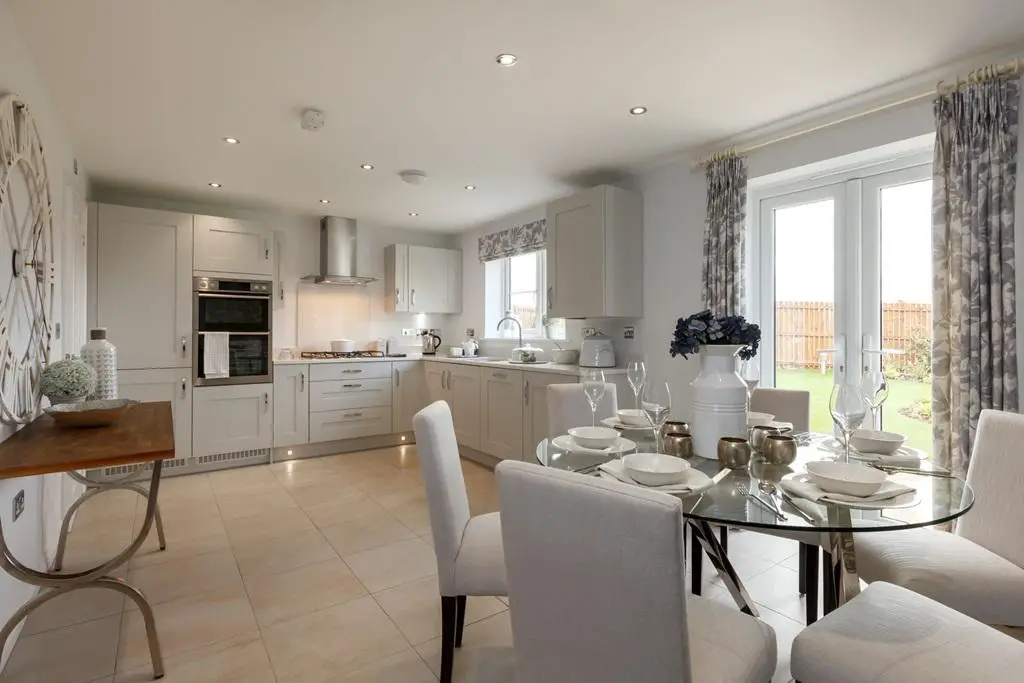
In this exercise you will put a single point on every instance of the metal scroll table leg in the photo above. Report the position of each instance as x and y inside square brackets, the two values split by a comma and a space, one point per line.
[705, 535]
[57, 584]
[844, 558]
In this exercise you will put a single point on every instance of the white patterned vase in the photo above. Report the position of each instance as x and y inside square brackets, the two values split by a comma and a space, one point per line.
[101, 355]
[719, 399]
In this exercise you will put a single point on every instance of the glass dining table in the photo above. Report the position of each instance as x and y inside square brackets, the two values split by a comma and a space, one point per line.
[937, 498]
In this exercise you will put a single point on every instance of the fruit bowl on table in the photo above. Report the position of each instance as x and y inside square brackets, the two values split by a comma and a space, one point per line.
[85, 414]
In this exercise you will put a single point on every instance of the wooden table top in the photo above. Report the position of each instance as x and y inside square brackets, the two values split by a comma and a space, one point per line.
[144, 434]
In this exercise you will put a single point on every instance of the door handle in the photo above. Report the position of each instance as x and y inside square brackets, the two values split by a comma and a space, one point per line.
[444, 376]
[266, 249]
[398, 378]
[280, 289]
[184, 347]
[526, 392]
[551, 297]
[302, 382]
[412, 297]
[351, 372]
[266, 401]
[184, 387]
[398, 296]
[500, 375]
[351, 386]
[352, 415]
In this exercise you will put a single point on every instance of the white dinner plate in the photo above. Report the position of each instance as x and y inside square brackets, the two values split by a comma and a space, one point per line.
[566, 443]
[907, 500]
[616, 423]
[903, 453]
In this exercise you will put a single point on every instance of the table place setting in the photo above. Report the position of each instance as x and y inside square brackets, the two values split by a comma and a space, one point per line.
[593, 441]
[656, 471]
[848, 484]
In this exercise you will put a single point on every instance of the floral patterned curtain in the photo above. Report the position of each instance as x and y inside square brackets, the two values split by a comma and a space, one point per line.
[724, 234]
[974, 347]
[519, 239]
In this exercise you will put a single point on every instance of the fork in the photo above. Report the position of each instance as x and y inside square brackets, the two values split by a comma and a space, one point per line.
[742, 488]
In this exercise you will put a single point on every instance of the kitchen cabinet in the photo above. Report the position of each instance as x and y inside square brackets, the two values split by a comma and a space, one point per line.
[228, 245]
[422, 279]
[502, 403]
[436, 375]
[336, 425]
[167, 384]
[291, 405]
[595, 254]
[141, 285]
[343, 394]
[408, 395]
[459, 385]
[228, 419]
[535, 409]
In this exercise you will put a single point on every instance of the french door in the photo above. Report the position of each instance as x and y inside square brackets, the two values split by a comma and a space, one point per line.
[844, 288]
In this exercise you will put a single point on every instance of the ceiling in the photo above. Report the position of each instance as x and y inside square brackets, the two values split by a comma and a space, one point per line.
[148, 90]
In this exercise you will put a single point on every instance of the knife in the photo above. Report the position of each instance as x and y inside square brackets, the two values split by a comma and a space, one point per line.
[800, 511]
[721, 475]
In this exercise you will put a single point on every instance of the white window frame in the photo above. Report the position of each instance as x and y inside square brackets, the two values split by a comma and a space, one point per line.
[506, 298]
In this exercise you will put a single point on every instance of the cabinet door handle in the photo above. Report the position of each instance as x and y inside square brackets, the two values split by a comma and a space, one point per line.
[398, 296]
[551, 297]
[500, 375]
[266, 401]
[526, 392]
[302, 382]
[444, 375]
[184, 387]
[266, 249]
[351, 372]
[398, 378]
[184, 347]
[352, 415]
[280, 289]
[412, 297]
[351, 386]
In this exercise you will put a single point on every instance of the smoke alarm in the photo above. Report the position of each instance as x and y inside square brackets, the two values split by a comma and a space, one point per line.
[312, 119]
[412, 177]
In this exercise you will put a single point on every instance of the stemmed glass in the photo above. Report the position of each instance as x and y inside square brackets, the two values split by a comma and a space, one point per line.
[875, 390]
[847, 406]
[636, 373]
[657, 404]
[750, 371]
[593, 389]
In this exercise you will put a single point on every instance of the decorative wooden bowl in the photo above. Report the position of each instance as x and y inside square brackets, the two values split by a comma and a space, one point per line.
[90, 413]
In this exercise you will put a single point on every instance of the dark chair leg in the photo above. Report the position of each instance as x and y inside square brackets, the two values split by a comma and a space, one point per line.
[802, 580]
[460, 619]
[449, 617]
[810, 567]
[828, 582]
[723, 538]
[696, 557]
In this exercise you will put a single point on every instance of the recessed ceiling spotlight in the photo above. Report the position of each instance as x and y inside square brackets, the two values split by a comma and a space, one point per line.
[470, 187]
[413, 214]
[325, 201]
[506, 59]
[214, 185]
[367, 167]
[637, 111]
[232, 141]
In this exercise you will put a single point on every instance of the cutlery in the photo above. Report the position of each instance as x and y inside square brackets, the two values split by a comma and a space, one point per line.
[892, 469]
[768, 489]
[721, 475]
[800, 511]
[742, 488]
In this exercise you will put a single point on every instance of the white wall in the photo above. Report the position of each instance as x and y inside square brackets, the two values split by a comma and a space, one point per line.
[38, 522]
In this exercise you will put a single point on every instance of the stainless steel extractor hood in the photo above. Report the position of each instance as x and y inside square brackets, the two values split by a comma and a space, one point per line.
[338, 262]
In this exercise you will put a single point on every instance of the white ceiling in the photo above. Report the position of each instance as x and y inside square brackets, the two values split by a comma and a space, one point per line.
[148, 88]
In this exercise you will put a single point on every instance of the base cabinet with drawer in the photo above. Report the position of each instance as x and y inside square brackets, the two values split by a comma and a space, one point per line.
[291, 405]
[502, 402]
[233, 418]
[349, 401]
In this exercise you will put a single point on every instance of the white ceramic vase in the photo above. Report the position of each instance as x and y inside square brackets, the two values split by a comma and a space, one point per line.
[719, 399]
[101, 355]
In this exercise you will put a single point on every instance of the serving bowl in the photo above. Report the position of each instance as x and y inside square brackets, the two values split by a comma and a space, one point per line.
[633, 417]
[90, 413]
[755, 419]
[655, 469]
[594, 437]
[852, 479]
[875, 441]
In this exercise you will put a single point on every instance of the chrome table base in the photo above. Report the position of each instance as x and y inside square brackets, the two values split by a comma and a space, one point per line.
[56, 584]
[702, 532]
[844, 559]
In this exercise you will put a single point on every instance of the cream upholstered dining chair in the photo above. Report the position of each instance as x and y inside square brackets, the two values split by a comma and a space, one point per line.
[889, 634]
[470, 559]
[568, 407]
[979, 568]
[787, 405]
[597, 588]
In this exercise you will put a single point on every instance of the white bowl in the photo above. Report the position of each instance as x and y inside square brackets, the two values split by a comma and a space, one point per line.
[343, 346]
[655, 469]
[633, 417]
[852, 479]
[594, 437]
[755, 419]
[875, 441]
[565, 356]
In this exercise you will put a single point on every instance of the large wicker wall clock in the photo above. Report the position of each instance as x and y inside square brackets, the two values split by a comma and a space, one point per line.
[26, 265]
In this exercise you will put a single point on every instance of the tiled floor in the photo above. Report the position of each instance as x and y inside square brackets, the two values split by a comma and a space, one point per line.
[317, 571]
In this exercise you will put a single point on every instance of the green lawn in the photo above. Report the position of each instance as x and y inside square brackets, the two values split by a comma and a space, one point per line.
[901, 393]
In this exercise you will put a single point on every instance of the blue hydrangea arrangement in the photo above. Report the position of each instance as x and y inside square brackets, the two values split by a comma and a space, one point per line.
[706, 328]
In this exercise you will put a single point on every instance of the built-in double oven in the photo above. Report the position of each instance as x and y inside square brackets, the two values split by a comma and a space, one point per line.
[232, 338]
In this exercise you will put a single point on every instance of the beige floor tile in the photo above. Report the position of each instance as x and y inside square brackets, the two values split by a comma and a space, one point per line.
[486, 653]
[416, 609]
[115, 504]
[184, 510]
[175, 579]
[187, 624]
[393, 565]
[318, 473]
[324, 492]
[405, 667]
[244, 504]
[238, 660]
[331, 643]
[416, 516]
[404, 458]
[76, 654]
[246, 479]
[104, 530]
[179, 547]
[366, 533]
[343, 510]
[269, 555]
[85, 551]
[266, 525]
[300, 591]
[72, 608]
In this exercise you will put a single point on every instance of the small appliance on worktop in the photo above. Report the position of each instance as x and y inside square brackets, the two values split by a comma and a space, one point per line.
[597, 351]
[232, 336]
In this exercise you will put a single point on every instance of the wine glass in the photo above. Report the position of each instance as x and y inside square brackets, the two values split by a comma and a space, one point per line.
[872, 383]
[848, 407]
[636, 373]
[593, 389]
[750, 371]
[657, 404]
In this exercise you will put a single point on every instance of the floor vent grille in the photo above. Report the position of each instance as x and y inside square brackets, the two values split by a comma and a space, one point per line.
[255, 454]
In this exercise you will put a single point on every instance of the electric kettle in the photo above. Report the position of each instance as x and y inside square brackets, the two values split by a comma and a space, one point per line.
[431, 342]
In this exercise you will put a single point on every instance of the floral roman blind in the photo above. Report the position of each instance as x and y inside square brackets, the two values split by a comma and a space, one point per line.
[517, 240]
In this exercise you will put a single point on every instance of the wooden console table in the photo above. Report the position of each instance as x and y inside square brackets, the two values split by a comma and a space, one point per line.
[144, 435]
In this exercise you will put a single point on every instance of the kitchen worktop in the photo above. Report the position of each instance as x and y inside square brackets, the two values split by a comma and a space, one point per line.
[555, 368]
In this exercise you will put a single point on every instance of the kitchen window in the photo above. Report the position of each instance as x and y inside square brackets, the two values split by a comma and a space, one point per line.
[516, 286]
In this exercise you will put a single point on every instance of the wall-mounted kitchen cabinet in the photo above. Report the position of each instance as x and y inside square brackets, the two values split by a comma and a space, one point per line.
[595, 254]
[291, 405]
[422, 279]
[229, 245]
[140, 284]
